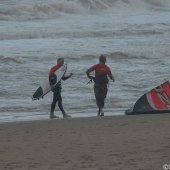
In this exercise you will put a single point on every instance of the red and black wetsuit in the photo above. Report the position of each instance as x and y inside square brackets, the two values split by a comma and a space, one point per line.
[57, 89]
[101, 81]
[52, 76]
[101, 73]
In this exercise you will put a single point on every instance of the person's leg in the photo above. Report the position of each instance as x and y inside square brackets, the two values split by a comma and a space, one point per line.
[60, 104]
[100, 91]
[53, 104]
[104, 90]
[97, 96]
[99, 106]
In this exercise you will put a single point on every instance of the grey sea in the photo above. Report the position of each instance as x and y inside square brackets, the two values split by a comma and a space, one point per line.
[133, 34]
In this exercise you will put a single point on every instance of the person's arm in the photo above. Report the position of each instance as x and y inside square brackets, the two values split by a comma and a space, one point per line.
[88, 73]
[111, 77]
[67, 77]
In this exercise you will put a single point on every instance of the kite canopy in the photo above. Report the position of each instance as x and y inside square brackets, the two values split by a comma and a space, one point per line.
[155, 101]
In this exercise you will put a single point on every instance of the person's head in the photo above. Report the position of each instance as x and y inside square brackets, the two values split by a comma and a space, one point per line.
[60, 61]
[102, 59]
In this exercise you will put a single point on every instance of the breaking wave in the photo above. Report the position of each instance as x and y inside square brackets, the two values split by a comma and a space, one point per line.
[41, 9]
[5, 59]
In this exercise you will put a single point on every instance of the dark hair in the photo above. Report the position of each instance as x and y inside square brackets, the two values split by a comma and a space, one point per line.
[102, 59]
[59, 59]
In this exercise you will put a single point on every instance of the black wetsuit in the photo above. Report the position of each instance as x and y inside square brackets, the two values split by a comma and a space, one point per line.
[56, 93]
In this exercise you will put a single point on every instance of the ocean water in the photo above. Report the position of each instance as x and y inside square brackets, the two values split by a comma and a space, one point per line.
[133, 34]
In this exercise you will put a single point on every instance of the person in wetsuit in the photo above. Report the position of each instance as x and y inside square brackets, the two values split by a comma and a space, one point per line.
[56, 89]
[102, 72]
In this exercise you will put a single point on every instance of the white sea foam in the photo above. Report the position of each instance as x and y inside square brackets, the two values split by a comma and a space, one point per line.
[41, 9]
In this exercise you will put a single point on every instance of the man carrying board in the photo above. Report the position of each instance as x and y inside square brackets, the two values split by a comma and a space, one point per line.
[56, 89]
[102, 71]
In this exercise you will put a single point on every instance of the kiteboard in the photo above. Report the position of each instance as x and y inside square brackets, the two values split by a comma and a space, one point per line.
[45, 87]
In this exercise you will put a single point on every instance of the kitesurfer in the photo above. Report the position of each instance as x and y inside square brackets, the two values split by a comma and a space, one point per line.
[102, 72]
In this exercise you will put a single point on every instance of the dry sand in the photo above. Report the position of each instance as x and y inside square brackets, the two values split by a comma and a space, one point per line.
[107, 143]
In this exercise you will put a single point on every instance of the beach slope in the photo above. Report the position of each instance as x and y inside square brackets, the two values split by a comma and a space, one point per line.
[140, 142]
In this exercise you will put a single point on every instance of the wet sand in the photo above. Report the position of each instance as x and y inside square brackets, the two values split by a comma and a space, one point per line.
[98, 143]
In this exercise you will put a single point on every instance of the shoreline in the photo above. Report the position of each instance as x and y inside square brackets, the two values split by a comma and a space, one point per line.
[34, 116]
[93, 143]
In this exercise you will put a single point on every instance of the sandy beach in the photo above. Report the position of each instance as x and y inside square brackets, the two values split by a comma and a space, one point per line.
[98, 143]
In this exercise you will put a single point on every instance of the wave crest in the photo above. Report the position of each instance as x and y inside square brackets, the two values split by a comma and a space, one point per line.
[11, 59]
[41, 9]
